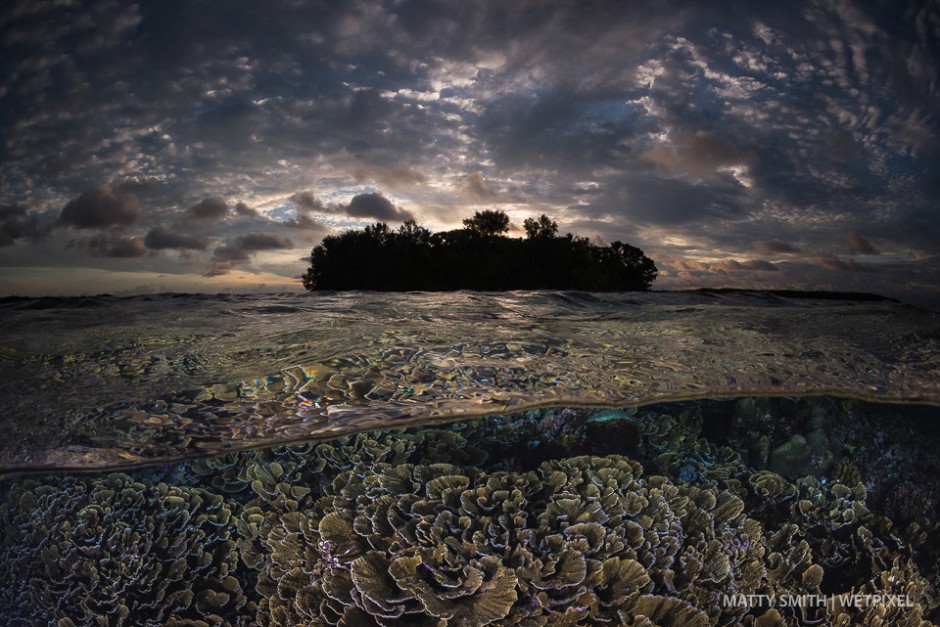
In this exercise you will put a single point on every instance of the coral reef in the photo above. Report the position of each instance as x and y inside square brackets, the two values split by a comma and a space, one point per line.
[649, 516]
[581, 540]
[114, 551]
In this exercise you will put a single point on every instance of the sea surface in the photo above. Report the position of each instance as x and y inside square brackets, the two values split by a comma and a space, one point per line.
[105, 382]
[775, 447]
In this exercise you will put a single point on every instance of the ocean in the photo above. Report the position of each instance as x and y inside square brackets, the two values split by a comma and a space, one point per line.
[461, 458]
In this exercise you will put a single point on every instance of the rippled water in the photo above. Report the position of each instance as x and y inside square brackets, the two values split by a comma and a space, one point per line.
[107, 382]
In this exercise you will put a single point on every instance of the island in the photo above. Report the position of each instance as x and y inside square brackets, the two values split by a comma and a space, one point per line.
[477, 257]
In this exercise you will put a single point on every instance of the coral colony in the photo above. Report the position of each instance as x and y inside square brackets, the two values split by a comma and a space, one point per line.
[530, 519]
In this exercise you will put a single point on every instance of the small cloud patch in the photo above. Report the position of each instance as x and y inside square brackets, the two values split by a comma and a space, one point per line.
[242, 248]
[98, 208]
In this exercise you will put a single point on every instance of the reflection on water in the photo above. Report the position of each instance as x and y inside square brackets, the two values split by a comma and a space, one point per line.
[109, 382]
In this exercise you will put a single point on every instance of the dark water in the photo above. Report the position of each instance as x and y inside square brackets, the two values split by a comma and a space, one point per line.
[469, 459]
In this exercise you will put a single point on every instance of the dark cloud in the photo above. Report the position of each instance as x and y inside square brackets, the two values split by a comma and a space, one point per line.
[394, 176]
[306, 201]
[666, 201]
[98, 208]
[858, 245]
[475, 185]
[114, 246]
[376, 206]
[759, 265]
[711, 130]
[565, 130]
[162, 237]
[263, 241]
[699, 154]
[241, 249]
[775, 246]
[306, 227]
[244, 211]
[16, 222]
[831, 261]
[305, 222]
[212, 208]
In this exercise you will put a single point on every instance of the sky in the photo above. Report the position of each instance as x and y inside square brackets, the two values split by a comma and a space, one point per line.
[196, 146]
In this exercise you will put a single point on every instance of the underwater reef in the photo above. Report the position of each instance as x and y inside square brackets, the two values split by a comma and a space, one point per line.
[666, 515]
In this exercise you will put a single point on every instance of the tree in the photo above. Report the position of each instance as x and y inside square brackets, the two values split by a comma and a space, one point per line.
[413, 234]
[542, 227]
[630, 268]
[379, 234]
[412, 258]
[487, 223]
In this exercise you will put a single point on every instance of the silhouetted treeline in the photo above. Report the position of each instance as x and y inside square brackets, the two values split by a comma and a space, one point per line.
[477, 257]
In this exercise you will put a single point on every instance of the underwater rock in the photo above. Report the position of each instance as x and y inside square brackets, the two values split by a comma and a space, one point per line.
[791, 459]
[760, 453]
[611, 433]
[750, 409]
[820, 457]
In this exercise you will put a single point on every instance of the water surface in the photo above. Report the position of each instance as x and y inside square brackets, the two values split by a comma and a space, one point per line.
[107, 382]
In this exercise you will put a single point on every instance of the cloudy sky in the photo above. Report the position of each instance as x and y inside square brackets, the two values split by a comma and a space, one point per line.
[188, 145]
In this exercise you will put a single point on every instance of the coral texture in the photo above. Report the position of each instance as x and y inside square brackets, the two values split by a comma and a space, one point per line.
[114, 551]
[523, 520]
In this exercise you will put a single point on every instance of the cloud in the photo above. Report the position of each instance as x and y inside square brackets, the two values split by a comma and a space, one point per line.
[758, 265]
[831, 261]
[114, 246]
[212, 208]
[18, 223]
[376, 206]
[672, 202]
[393, 177]
[98, 208]
[475, 186]
[684, 128]
[161, 237]
[774, 246]
[138, 186]
[263, 241]
[858, 245]
[720, 267]
[244, 211]
[304, 222]
[689, 265]
[700, 153]
[241, 249]
[244, 246]
[306, 201]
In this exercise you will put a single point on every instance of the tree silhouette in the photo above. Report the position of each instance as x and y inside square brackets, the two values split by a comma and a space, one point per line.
[542, 227]
[412, 258]
[487, 223]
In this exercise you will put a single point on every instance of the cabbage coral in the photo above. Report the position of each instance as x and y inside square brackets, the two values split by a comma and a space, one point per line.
[114, 551]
